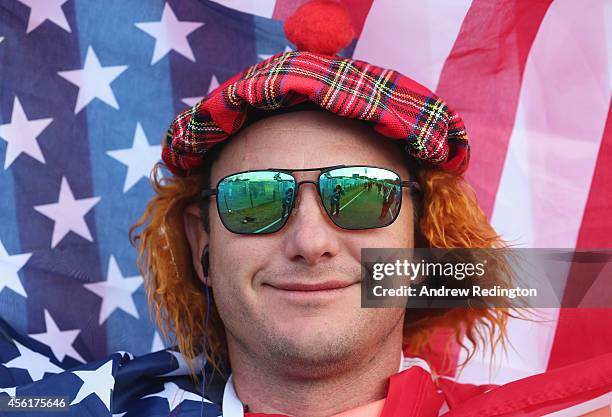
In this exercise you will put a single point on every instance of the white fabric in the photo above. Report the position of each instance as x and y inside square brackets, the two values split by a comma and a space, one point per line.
[232, 407]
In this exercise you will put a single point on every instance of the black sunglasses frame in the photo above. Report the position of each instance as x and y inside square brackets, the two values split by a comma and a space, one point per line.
[209, 192]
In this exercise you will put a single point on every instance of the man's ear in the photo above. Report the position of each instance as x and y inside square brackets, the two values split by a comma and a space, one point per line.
[197, 237]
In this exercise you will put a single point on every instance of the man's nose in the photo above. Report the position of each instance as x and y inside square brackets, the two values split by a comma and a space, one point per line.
[311, 237]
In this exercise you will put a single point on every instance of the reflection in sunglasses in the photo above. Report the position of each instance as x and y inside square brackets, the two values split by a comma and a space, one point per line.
[355, 198]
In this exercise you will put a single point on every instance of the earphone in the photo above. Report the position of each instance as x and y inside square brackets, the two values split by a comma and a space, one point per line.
[204, 262]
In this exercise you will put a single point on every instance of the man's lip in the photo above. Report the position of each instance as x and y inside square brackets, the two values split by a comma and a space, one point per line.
[318, 286]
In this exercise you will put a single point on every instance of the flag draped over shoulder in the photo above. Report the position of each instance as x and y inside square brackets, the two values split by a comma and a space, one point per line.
[154, 384]
[158, 384]
[88, 89]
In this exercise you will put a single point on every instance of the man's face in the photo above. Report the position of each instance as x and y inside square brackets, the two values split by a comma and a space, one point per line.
[256, 279]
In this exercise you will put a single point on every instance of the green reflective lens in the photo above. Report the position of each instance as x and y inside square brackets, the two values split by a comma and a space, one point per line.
[361, 197]
[256, 202]
[355, 198]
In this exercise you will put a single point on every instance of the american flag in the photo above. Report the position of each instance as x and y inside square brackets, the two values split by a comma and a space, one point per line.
[88, 89]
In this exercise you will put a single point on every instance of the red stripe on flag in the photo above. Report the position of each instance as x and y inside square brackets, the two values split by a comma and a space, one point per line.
[285, 8]
[442, 352]
[596, 227]
[481, 80]
[584, 333]
[358, 9]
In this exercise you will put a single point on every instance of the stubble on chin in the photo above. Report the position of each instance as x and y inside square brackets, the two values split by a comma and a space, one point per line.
[274, 341]
[323, 353]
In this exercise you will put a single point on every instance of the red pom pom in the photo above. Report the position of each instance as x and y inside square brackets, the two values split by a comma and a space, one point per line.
[320, 26]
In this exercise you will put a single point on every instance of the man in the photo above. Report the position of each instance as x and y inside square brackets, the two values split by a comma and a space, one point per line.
[287, 201]
[388, 199]
[282, 337]
[335, 199]
[281, 306]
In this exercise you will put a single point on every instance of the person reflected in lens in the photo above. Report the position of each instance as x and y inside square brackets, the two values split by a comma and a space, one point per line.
[335, 200]
[398, 197]
[388, 199]
[287, 201]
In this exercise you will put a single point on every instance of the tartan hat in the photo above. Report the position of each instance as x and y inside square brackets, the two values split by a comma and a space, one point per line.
[398, 107]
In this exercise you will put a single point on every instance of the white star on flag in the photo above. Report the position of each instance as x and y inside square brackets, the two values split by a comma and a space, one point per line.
[9, 267]
[170, 34]
[68, 214]
[10, 391]
[263, 57]
[20, 135]
[94, 81]
[33, 362]
[139, 158]
[175, 395]
[214, 83]
[116, 292]
[183, 364]
[99, 382]
[125, 353]
[157, 343]
[46, 10]
[60, 341]
[1, 39]
[191, 101]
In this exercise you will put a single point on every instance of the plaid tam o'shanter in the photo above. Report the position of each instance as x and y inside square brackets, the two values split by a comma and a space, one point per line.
[398, 107]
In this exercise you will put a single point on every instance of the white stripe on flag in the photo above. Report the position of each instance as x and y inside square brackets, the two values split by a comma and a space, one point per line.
[551, 158]
[414, 39]
[527, 353]
[263, 8]
[608, 34]
[586, 407]
[558, 129]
